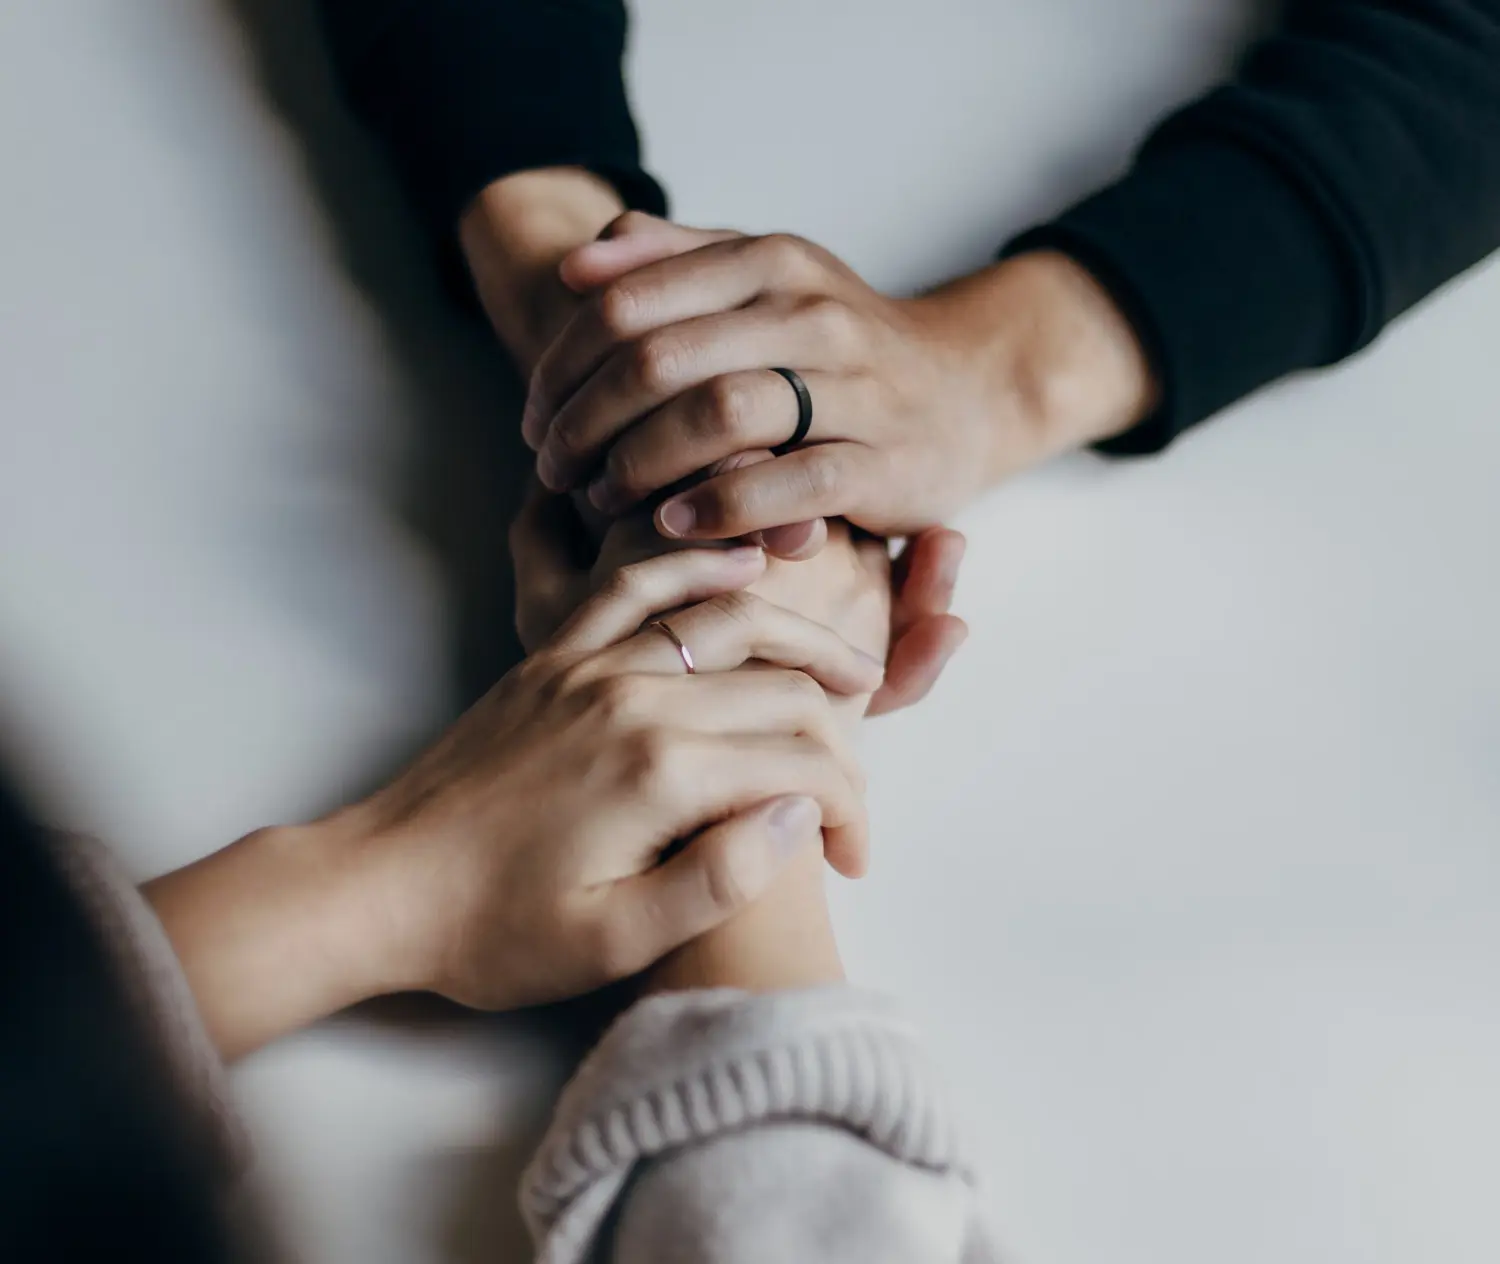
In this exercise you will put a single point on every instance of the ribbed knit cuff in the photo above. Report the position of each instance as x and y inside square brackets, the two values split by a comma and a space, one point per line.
[462, 93]
[1226, 270]
[157, 990]
[682, 1068]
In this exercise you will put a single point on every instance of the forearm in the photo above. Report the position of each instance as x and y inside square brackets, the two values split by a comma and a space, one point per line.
[784, 941]
[274, 932]
[515, 234]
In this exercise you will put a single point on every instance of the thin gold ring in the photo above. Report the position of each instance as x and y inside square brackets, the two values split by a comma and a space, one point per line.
[665, 629]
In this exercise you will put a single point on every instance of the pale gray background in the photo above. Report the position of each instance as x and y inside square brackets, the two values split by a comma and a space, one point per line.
[1190, 867]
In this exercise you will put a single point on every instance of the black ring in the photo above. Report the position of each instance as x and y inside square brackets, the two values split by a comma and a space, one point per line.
[804, 412]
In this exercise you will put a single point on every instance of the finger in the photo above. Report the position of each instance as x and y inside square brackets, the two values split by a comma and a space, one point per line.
[795, 542]
[722, 871]
[712, 421]
[731, 629]
[770, 700]
[916, 661]
[643, 373]
[931, 577]
[629, 539]
[714, 278]
[714, 777]
[825, 480]
[634, 593]
[632, 241]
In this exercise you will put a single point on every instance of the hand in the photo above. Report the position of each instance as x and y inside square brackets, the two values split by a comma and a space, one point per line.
[521, 859]
[557, 566]
[918, 403]
[554, 799]
[519, 229]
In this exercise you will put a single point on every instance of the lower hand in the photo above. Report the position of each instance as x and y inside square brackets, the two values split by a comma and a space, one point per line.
[553, 800]
[520, 860]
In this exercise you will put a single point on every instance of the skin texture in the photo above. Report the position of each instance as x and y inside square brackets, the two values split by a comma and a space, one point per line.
[516, 237]
[527, 855]
[647, 352]
[784, 939]
[920, 404]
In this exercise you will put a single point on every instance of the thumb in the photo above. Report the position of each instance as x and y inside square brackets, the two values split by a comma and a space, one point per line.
[722, 870]
[632, 241]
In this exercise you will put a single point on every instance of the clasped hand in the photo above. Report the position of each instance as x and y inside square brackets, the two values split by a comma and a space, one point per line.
[526, 842]
[660, 377]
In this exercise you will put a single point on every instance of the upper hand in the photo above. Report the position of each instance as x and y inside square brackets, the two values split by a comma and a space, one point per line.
[664, 371]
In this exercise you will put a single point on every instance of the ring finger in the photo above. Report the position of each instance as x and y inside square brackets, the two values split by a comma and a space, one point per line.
[719, 418]
[733, 628]
[645, 374]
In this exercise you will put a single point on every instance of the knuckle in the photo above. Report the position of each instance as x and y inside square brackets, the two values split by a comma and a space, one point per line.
[653, 765]
[570, 680]
[822, 472]
[629, 223]
[624, 585]
[789, 257]
[739, 608]
[657, 363]
[618, 309]
[728, 403]
[627, 468]
[619, 700]
[565, 438]
[833, 325]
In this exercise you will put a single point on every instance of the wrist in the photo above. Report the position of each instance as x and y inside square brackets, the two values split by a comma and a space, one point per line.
[276, 931]
[514, 235]
[783, 941]
[1055, 362]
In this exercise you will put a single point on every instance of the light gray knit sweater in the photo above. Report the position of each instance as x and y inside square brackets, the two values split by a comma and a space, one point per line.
[710, 1126]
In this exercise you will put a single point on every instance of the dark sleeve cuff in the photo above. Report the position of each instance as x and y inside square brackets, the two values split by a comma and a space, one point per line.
[1225, 269]
[462, 93]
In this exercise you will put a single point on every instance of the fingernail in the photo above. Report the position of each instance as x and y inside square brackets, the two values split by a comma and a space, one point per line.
[546, 470]
[677, 517]
[791, 822]
[790, 539]
[744, 555]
